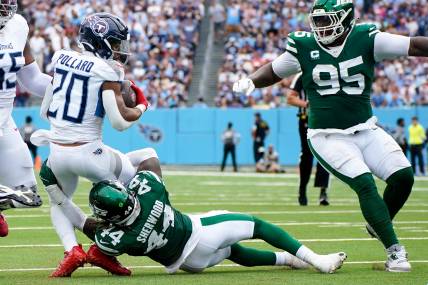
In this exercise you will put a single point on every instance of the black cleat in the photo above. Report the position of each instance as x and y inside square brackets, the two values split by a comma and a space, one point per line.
[303, 201]
[324, 198]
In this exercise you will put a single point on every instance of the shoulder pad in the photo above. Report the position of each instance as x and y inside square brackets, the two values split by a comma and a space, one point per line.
[371, 29]
[295, 39]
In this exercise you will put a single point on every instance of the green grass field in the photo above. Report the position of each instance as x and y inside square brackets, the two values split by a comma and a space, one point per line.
[32, 249]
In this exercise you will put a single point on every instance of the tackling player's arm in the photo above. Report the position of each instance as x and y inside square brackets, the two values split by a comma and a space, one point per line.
[269, 74]
[30, 77]
[120, 116]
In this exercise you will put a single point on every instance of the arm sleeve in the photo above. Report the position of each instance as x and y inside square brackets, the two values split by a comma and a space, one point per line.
[113, 113]
[390, 46]
[286, 65]
[47, 99]
[33, 80]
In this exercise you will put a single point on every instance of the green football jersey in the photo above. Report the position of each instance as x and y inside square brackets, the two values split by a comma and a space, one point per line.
[160, 232]
[338, 87]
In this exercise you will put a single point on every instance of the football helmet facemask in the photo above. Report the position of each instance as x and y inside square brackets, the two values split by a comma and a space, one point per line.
[110, 201]
[330, 19]
[7, 11]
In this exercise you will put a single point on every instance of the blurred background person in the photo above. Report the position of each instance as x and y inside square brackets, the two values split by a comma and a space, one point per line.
[296, 96]
[416, 141]
[259, 133]
[230, 139]
[270, 162]
[399, 135]
[218, 17]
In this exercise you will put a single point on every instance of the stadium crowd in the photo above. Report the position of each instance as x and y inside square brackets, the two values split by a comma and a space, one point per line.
[256, 35]
[164, 36]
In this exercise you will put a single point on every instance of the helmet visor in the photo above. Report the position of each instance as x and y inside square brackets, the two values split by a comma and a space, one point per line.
[120, 49]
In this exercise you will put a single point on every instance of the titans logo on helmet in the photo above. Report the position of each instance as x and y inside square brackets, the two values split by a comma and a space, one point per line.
[98, 25]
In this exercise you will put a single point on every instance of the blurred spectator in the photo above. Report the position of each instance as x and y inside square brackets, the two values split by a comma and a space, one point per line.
[259, 133]
[26, 131]
[399, 135]
[270, 162]
[218, 17]
[417, 139]
[200, 104]
[230, 139]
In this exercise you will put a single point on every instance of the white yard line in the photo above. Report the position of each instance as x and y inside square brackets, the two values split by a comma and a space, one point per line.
[245, 241]
[159, 266]
[319, 224]
[297, 212]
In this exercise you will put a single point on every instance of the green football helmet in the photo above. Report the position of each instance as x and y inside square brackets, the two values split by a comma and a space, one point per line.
[330, 19]
[110, 201]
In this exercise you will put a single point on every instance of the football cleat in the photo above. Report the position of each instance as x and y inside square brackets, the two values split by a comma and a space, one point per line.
[397, 259]
[19, 198]
[303, 200]
[73, 259]
[4, 228]
[329, 263]
[108, 263]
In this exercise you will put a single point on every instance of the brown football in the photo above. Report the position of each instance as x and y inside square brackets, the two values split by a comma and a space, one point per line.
[128, 94]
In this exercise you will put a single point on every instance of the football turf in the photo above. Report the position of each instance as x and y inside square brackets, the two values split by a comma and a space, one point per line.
[32, 249]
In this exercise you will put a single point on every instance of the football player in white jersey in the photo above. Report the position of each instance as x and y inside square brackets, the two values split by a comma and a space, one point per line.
[19, 188]
[87, 85]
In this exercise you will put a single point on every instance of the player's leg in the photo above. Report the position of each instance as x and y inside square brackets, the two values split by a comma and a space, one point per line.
[341, 156]
[17, 172]
[322, 179]
[387, 161]
[222, 231]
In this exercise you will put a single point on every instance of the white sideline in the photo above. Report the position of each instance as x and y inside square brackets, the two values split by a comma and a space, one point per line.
[245, 241]
[159, 266]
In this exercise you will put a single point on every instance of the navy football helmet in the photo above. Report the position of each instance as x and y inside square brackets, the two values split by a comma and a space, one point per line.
[7, 11]
[106, 36]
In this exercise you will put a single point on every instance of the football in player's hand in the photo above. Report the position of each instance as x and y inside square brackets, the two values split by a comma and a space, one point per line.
[128, 94]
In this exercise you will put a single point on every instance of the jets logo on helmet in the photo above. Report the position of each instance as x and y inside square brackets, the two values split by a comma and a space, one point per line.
[330, 19]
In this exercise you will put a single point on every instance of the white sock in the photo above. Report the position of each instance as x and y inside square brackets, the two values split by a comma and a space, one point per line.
[282, 258]
[63, 227]
[74, 214]
[307, 255]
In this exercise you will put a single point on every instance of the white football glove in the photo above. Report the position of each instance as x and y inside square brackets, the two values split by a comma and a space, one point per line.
[245, 86]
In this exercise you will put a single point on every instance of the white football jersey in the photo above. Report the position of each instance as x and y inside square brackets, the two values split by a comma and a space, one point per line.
[12, 43]
[76, 111]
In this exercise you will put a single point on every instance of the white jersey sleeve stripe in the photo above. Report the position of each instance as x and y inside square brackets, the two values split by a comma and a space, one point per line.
[292, 49]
